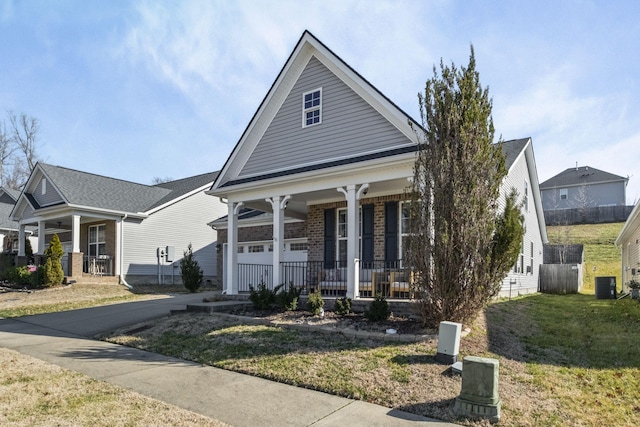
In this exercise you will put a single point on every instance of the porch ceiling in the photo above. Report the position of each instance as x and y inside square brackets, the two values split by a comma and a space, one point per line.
[297, 205]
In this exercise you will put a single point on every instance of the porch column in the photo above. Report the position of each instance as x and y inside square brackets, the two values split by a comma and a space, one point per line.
[41, 237]
[21, 245]
[353, 236]
[278, 206]
[231, 269]
[118, 254]
[75, 233]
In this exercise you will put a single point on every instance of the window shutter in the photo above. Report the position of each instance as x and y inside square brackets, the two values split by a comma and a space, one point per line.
[329, 238]
[391, 233]
[367, 236]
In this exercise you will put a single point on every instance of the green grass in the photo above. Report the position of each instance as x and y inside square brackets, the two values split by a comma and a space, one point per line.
[601, 257]
[583, 353]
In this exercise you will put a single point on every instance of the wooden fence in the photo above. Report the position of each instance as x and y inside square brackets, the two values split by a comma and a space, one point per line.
[560, 278]
[594, 215]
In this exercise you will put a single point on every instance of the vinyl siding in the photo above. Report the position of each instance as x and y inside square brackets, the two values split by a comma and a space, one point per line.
[631, 257]
[522, 283]
[591, 195]
[176, 225]
[49, 198]
[349, 126]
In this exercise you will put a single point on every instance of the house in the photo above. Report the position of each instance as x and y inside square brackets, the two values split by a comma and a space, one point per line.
[583, 187]
[8, 227]
[629, 242]
[111, 227]
[315, 187]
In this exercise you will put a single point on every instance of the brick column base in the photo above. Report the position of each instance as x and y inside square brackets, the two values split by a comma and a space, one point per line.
[75, 264]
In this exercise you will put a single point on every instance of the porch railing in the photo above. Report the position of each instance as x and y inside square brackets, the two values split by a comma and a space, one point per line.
[101, 265]
[386, 277]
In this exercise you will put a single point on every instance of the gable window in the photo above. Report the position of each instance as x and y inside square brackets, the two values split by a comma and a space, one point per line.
[44, 186]
[312, 108]
[97, 244]
[564, 193]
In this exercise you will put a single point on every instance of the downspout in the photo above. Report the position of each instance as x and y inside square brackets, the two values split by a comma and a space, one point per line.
[121, 260]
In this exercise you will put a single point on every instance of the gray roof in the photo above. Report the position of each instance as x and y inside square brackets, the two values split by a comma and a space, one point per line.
[580, 176]
[97, 191]
[512, 149]
[5, 222]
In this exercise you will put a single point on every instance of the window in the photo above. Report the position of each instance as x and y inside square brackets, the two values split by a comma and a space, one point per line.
[97, 244]
[342, 237]
[531, 261]
[564, 193]
[298, 247]
[312, 108]
[256, 248]
[526, 196]
[44, 186]
[405, 215]
[240, 249]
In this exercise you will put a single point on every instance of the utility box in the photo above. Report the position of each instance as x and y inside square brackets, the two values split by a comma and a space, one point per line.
[448, 342]
[606, 287]
[170, 254]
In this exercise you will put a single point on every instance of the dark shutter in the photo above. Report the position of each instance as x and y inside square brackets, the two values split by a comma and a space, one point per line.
[367, 236]
[329, 238]
[391, 233]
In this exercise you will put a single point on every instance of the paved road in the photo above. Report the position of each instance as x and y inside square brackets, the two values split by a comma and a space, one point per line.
[64, 339]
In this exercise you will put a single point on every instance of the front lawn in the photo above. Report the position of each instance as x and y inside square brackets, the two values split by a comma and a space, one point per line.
[564, 360]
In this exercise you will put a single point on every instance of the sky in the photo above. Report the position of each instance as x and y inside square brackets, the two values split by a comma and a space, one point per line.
[143, 89]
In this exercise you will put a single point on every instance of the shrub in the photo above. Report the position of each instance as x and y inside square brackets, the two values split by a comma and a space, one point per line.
[17, 275]
[315, 303]
[263, 298]
[288, 299]
[53, 273]
[343, 306]
[378, 310]
[36, 278]
[190, 271]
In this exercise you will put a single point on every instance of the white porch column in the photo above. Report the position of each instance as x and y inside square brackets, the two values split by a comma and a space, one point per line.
[278, 205]
[41, 237]
[231, 269]
[353, 237]
[118, 255]
[21, 245]
[75, 233]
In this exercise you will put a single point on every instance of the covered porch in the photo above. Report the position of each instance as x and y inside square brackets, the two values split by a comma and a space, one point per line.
[92, 242]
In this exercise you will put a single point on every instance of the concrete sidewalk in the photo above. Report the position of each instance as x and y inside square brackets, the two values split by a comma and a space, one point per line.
[240, 400]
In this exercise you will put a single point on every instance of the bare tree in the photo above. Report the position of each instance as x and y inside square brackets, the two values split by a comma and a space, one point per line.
[157, 180]
[18, 149]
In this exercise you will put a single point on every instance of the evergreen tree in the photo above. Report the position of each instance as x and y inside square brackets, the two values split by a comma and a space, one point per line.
[53, 274]
[460, 246]
[190, 271]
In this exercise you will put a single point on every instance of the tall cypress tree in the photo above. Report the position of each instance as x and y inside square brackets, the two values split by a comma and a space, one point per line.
[461, 245]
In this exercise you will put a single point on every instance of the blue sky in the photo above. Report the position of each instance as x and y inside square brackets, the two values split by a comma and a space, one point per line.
[144, 89]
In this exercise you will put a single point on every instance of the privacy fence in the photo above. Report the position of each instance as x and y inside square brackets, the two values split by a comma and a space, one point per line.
[595, 215]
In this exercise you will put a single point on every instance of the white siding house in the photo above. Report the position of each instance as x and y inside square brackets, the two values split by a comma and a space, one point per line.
[629, 242]
[110, 227]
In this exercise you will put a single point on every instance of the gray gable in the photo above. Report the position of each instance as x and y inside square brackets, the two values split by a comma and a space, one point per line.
[350, 126]
[101, 192]
[5, 222]
[580, 176]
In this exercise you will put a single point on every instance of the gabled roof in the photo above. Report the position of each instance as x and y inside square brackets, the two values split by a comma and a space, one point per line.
[512, 150]
[307, 49]
[630, 226]
[84, 189]
[580, 176]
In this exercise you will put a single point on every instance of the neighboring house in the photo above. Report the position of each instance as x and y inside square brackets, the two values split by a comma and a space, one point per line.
[583, 187]
[629, 242]
[8, 227]
[316, 186]
[118, 228]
